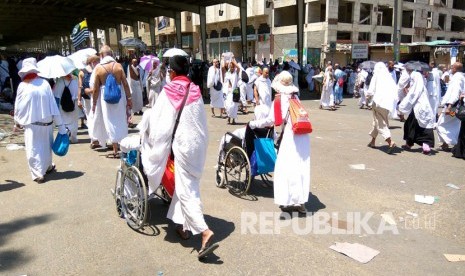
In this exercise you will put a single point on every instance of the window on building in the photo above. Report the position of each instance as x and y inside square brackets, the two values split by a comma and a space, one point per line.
[382, 37]
[440, 38]
[457, 24]
[316, 12]
[214, 34]
[442, 22]
[264, 29]
[385, 16]
[285, 16]
[443, 3]
[429, 20]
[364, 37]
[345, 12]
[405, 39]
[454, 39]
[250, 29]
[343, 36]
[458, 4]
[428, 39]
[236, 31]
[407, 19]
[365, 14]
[224, 33]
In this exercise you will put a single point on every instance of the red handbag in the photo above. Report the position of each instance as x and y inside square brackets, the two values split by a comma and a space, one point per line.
[168, 176]
[299, 117]
[278, 116]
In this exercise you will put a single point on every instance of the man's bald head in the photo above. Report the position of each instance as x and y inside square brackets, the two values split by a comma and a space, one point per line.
[457, 67]
[106, 51]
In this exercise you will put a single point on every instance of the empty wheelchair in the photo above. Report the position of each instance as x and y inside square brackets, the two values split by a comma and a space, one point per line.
[234, 168]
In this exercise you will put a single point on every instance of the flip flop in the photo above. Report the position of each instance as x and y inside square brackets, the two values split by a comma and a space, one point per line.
[370, 145]
[113, 156]
[204, 251]
[391, 148]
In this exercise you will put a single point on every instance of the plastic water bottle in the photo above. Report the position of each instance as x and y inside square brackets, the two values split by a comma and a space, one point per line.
[160, 273]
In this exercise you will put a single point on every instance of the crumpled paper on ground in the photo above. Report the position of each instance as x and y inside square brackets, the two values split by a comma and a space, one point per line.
[356, 251]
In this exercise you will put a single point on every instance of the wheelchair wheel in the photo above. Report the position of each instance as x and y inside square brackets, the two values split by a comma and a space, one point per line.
[134, 198]
[219, 179]
[237, 171]
[118, 193]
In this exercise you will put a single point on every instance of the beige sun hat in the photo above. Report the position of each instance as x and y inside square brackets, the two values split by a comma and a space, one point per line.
[29, 66]
[283, 83]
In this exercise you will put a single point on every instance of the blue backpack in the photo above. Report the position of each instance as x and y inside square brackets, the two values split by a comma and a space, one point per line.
[112, 92]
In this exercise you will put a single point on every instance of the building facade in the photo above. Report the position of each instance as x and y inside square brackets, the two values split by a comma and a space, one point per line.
[366, 21]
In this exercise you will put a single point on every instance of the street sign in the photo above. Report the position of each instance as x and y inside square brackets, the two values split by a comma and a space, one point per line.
[332, 46]
[359, 51]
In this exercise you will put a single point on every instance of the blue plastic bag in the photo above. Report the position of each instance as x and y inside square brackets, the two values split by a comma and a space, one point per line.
[61, 144]
[253, 164]
[265, 154]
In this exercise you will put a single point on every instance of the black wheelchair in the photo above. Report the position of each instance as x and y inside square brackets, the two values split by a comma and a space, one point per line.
[233, 170]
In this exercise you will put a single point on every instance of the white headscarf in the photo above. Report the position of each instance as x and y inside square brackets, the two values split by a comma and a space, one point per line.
[383, 88]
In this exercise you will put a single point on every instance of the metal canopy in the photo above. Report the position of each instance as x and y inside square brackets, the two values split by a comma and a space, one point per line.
[32, 20]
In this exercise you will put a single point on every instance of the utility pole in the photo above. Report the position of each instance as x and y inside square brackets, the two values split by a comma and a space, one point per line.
[396, 31]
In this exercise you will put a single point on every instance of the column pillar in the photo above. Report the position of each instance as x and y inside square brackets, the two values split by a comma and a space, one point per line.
[177, 23]
[243, 18]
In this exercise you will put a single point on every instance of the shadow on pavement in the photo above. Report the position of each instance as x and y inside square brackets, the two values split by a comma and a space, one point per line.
[220, 227]
[14, 258]
[314, 204]
[63, 175]
[10, 185]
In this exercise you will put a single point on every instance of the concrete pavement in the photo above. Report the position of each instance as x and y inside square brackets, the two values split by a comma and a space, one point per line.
[69, 226]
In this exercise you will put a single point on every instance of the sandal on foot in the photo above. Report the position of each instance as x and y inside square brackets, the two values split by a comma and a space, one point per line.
[392, 146]
[208, 249]
[370, 145]
[113, 156]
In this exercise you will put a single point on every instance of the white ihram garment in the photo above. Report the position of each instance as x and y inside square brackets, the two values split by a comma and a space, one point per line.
[189, 148]
[35, 103]
[114, 117]
[264, 91]
[327, 93]
[216, 97]
[136, 91]
[229, 84]
[433, 85]
[449, 127]
[292, 168]
[70, 119]
[95, 124]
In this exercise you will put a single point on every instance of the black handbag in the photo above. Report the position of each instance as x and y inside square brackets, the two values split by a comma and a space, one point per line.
[218, 86]
[236, 95]
[460, 111]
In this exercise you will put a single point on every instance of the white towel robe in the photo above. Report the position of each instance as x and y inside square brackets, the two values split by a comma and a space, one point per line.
[230, 106]
[418, 101]
[136, 91]
[252, 78]
[449, 127]
[216, 97]
[35, 103]
[327, 93]
[264, 91]
[190, 150]
[292, 168]
[114, 117]
[433, 85]
[95, 124]
[70, 119]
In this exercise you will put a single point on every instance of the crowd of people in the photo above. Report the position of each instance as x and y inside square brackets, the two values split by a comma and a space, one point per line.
[160, 91]
[413, 93]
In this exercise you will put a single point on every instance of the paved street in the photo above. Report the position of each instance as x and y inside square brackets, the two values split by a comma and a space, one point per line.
[69, 225]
